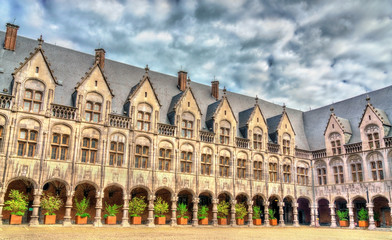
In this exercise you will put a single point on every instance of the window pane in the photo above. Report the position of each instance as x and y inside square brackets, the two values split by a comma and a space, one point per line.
[36, 107]
[38, 96]
[63, 154]
[33, 136]
[26, 106]
[113, 146]
[28, 94]
[31, 150]
[94, 143]
[119, 160]
[111, 159]
[97, 107]
[93, 155]
[89, 106]
[96, 117]
[65, 140]
[54, 153]
[86, 142]
[88, 117]
[84, 155]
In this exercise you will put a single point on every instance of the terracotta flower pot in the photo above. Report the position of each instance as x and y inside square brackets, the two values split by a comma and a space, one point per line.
[136, 220]
[363, 223]
[50, 219]
[222, 221]
[240, 221]
[203, 221]
[343, 223]
[15, 219]
[273, 222]
[160, 220]
[182, 221]
[257, 221]
[81, 220]
[111, 220]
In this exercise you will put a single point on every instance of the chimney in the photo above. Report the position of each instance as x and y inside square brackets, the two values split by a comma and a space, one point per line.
[100, 57]
[10, 37]
[182, 80]
[215, 89]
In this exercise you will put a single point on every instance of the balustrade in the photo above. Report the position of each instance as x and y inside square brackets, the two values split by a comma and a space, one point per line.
[206, 136]
[166, 129]
[64, 112]
[5, 101]
[119, 121]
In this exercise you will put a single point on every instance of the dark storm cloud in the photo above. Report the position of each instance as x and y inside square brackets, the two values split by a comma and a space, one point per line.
[283, 51]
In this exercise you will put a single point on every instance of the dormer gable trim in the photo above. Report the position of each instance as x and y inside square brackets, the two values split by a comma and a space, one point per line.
[224, 99]
[87, 75]
[284, 114]
[145, 78]
[253, 114]
[377, 113]
[187, 90]
[340, 124]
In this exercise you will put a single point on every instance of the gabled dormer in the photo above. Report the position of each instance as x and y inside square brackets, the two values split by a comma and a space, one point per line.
[184, 112]
[34, 83]
[143, 105]
[220, 119]
[93, 96]
[337, 133]
[253, 126]
[374, 126]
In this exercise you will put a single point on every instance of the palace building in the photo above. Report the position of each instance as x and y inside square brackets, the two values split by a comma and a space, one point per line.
[81, 125]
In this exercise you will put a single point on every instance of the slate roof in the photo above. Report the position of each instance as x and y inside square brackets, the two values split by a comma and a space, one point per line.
[345, 124]
[272, 124]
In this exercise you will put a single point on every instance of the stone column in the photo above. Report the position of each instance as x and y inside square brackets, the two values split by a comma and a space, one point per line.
[150, 219]
[266, 215]
[36, 205]
[195, 221]
[250, 213]
[2, 193]
[174, 211]
[312, 216]
[215, 212]
[295, 213]
[125, 218]
[68, 208]
[333, 215]
[98, 210]
[370, 206]
[232, 210]
[351, 214]
[281, 219]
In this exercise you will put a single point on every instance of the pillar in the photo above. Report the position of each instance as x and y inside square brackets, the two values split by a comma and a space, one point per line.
[195, 221]
[215, 212]
[333, 215]
[232, 211]
[250, 213]
[125, 218]
[68, 208]
[2, 193]
[370, 206]
[295, 213]
[281, 219]
[174, 200]
[36, 205]
[150, 219]
[351, 214]
[98, 209]
[312, 216]
[266, 215]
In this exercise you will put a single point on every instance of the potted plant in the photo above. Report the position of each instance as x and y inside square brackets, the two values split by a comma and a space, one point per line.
[112, 210]
[272, 218]
[241, 212]
[50, 204]
[377, 219]
[160, 208]
[81, 207]
[136, 208]
[182, 219]
[17, 205]
[363, 218]
[223, 211]
[256, 215]
[343, 218]
[202, 215]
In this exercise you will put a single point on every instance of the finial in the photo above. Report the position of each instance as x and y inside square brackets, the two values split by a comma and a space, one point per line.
[257, 100]
[40, 41]
[284, 107]
[367, 99]
[331, 109]
[188, 81]
[224, 91]
[146, 68]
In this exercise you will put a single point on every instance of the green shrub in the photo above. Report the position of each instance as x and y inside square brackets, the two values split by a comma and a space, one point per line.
[343, 215]
[81, 207]
[111, 210]
[17, 203]
[50, 203]
[271, 213]
[256, 212]
[160, 207]
[363, 215]
[137, 206]
[240, 210]
[182, 210]
[203, 212]
[223, 209]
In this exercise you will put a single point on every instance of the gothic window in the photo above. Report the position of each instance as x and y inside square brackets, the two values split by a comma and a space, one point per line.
[225, 132]
[286, 173]
[286, 144]
[187, 125]
[93, 111]
[337, 170]
[165, 156]
[258, 168]
[32, 100]
[27, 142]
[336, 144]
[356, 169]
[206, 164]
[186, 162]
[241, 168]
[59, 146]
[224, 166]
[376, 167]
[302, 175]
[257, 138]
[143, 117]
[116, 153]
[322, 175]
[373, 137]
[89, 150]
[273, 172]
[141, 156]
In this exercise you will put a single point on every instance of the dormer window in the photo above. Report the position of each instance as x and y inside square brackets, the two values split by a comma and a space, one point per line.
[373, 137]
[336, 144]
[32, 101]
[224, 132]
[93, 112]
[36, 69]
[257, 138]
[187, 125]
[286, 144]
[144, 117]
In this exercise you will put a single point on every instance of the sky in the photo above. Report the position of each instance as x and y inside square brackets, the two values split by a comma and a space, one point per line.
[305, 54]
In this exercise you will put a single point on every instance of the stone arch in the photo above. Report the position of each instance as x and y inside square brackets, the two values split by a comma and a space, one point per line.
[260, 195]
[205, 199]
[85, 129]
[356, 197]
[66, 184]
[29, 118]
[172, 193]
[227, 193]
[187, 189]
[378, 195]
[114, 194]
[97, 188]
[288, 209]
[324, 211]
[149, 192]
[209, 192]
[275, 196]
[307, 198]
[24, 179]
[290, 197]
[382, 210]
[166, 194]
[304, 215]
[86, 189]
[60, 188]
[95, 96]
[123, 189]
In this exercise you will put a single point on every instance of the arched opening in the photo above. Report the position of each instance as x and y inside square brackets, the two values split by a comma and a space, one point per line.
[165, 194]
[288, 215]
[324, 213]
[186, 197]
[88, 191]
[303, 211]
[113, 195]
[259, 202]
[56, 188]
[382, 212]
[358, 204]
[274, 205]
[340, 204]
[226, 197]
[26, 187]
[243, 199]
[141, 193]
[205, 199]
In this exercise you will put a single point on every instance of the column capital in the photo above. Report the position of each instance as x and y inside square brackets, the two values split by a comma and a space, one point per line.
[215, 201]
[370, 205]
[195, 200]
[151, 197]
[37, 192]
[233, 202]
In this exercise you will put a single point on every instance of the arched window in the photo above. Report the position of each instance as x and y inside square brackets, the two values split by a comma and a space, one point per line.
[116, 153]
[287, 172]
[93, 112]
[302, 175]
[336, 143]
[89, 150]
[186, 162]
[376, 166]
[224, 166]
[165, 156]
[337, 168]
[258, 168]
[321, 169]
[32, 100]
[206, 162]
[286, 144]
[356, 168]
[187, 125]
[273, 170]
[59, 146]
[144, 117]
[257, 138]
[373, 136]
[27, 142]
[224, 132]
[241, 167]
